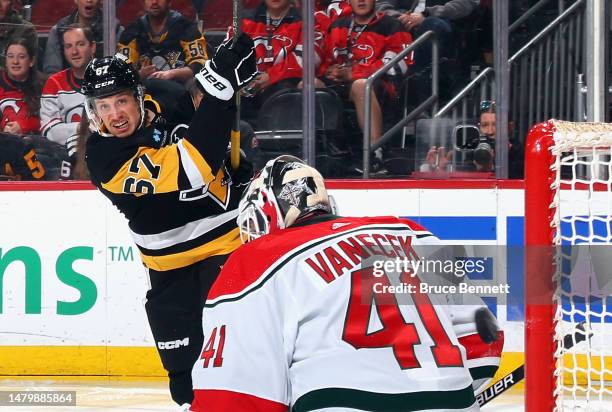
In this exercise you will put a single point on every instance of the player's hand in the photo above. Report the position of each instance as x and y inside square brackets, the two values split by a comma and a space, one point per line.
[232, 67]
[12, 128]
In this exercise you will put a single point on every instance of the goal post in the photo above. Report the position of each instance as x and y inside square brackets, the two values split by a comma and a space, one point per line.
[568, 222]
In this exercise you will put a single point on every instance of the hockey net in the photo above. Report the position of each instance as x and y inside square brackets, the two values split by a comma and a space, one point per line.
[568, 232]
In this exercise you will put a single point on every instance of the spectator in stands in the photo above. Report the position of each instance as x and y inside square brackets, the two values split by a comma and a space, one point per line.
[420, 16]
[438, 158]
[62, 102]
[338, 8]
[357, 46]
[13, 26]
[163, 44]
[326, 12]
[487, 126]
[276, 29]
[20, 89]
[87, 14]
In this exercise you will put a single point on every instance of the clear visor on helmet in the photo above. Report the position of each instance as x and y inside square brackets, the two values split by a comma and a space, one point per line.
[96, 125]
[252, 223]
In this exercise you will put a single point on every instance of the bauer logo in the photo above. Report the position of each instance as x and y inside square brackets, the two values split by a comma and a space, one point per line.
[173, 344]
[23, 259]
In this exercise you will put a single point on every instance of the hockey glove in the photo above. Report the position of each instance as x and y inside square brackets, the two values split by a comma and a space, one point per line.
[232, 67]
[240, 178]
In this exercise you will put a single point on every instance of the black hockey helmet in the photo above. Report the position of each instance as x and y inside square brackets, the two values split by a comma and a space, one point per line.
[105, 77]
[108, 76]
[285, 190]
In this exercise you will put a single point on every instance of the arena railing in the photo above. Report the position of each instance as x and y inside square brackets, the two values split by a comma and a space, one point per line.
[546, 72]
[432, 101]
[481, 87]
[546, 77]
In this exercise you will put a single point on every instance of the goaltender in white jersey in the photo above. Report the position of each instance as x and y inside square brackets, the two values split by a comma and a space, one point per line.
[293, 322]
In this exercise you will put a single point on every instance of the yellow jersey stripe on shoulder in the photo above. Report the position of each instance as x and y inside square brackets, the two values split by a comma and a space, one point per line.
[149, 171]
[222, 245]
[149, 99]
[198, 171]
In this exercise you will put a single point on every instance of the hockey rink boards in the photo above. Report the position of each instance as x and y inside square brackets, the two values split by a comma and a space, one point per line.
[106, 333]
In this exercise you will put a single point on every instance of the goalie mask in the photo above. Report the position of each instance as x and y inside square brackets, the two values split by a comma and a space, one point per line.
[285, 190]
[105, 77]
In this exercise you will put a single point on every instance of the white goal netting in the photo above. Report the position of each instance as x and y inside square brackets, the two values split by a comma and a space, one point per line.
[582, 223]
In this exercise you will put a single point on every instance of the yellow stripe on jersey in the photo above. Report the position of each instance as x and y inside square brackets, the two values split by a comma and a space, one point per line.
[150, 101]
[149, 171]
[130, 51]
[222, 245]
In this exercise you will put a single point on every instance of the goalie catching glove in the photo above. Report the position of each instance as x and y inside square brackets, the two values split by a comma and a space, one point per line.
[232, 67]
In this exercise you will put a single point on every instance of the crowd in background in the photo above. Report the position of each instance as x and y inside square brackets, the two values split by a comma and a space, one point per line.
[40, 93]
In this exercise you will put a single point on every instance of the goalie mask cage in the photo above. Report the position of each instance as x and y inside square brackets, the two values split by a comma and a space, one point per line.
[568, 266]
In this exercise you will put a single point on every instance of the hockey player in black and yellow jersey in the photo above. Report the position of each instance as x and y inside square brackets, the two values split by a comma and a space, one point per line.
[180, 199]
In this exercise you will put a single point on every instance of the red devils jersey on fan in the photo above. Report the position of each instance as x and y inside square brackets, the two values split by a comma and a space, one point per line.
[61, 107]
[367, 47]
[278, 47]
[13, 107]
[339, 8]
[298, 320]
[324, 17]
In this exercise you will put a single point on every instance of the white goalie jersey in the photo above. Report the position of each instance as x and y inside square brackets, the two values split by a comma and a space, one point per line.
[297, 320]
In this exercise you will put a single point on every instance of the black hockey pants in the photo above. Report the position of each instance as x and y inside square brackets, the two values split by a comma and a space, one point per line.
[174, 309]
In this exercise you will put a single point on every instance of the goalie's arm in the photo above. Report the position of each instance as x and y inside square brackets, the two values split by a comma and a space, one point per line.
[244, 363]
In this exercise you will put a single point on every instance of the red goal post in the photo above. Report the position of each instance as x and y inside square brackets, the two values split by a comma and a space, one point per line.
[567, 186]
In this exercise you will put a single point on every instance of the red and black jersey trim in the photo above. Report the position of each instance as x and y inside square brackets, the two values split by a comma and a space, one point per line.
[385, 402]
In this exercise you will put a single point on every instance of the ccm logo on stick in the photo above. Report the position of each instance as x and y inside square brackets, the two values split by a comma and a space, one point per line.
[173, 344]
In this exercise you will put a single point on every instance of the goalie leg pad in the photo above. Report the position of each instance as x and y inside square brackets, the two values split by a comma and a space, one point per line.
[174, 309]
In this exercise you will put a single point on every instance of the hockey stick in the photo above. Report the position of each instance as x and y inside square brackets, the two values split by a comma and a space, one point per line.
[235, 136]
[517, 375]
